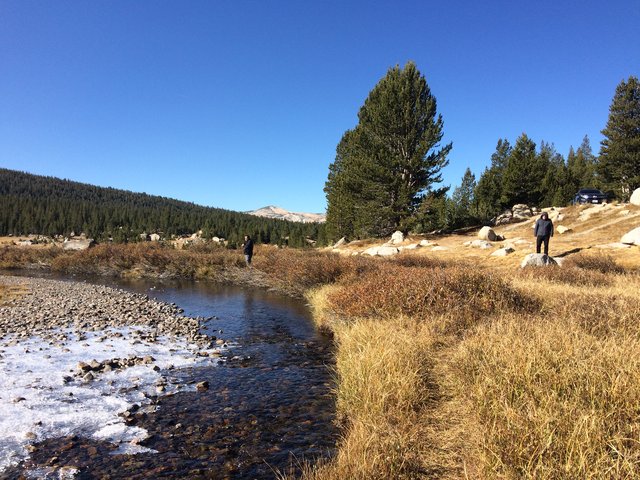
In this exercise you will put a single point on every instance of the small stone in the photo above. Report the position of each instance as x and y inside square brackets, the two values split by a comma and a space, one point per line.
[202, 386]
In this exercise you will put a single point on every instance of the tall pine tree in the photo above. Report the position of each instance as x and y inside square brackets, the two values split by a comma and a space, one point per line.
[619, 162]
[389, 160]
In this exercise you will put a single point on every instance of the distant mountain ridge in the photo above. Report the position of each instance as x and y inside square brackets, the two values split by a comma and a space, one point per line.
[272, 211]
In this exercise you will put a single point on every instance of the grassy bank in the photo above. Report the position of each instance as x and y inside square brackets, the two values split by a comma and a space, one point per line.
[449, 369]
[455, 372]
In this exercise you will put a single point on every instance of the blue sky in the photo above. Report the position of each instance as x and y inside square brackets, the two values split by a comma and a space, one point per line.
[240, 104]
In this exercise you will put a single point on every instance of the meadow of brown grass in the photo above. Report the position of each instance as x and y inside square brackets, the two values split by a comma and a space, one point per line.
[539, 379]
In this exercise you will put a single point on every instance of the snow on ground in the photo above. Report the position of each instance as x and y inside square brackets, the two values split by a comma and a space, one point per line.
[37, 402]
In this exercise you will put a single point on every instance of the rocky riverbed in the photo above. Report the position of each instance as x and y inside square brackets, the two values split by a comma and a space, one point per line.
[49, 306]
[99, 382]
[78, 359]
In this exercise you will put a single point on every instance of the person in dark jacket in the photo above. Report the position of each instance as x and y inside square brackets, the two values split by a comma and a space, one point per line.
[247, 248]
[543, 231]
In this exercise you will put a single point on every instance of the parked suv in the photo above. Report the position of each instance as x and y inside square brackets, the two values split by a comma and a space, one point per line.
[589, 195]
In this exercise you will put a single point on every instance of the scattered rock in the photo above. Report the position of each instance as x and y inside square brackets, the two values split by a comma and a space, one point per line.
[503, 252]
[202, 386]
[482, 244]
[341, 242]
[383, 251]
[411, 246]
[397, 237]
[635, 197]
[537, 260]
[427, 243]
[561, 229]
[439, 249]
[78, 243]
[632, 237]
[386, 251]
[487, 233]
[517, 213]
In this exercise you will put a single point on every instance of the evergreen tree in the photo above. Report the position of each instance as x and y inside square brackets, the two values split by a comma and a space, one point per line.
[556, 177]
[488, 192]
[387, 163]
[582, 166]
[619, 162]
[463, 202]
[523, 174]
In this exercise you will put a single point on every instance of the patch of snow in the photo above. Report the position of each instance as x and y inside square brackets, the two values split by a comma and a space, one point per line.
[38, 400]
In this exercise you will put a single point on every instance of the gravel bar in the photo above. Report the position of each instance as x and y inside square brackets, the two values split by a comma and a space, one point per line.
[51, 306]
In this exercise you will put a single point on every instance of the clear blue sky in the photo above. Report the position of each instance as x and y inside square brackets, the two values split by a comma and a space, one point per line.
[239, 104]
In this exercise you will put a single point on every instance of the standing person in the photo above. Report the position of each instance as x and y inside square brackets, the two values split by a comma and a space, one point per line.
[247, 248]
[543, 232]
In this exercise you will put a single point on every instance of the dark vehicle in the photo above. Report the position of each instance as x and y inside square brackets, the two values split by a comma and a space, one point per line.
[589, 195]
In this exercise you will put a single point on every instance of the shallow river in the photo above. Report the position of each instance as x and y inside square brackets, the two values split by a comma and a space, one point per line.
[269, 407]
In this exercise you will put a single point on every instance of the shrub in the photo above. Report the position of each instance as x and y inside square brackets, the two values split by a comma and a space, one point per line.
[300, 270]
[12, 257]
[459, 291]
[598, 263]
[566, 274]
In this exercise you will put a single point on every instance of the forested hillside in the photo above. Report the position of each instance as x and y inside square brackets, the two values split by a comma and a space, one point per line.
[33, 204]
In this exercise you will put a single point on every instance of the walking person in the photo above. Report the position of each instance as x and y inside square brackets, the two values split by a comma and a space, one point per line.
[247, 248]
[543, 231]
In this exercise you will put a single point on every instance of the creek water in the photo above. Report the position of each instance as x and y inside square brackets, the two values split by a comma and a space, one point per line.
[268, 409]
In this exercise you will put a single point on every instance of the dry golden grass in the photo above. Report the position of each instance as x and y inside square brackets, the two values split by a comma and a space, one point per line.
[540, 378]
[397, 417]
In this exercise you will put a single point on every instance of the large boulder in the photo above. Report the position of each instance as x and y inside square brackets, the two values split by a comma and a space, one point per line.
[78, 243]
[537, 260]
[382, 251]
[386, 251]
[487, 233]
[340, 242]
[397, 237]
[632, 237]
[635, 197]
[521, 211]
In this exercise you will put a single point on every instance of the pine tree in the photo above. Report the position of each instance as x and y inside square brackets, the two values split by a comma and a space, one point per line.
[463, 201]
[488, 192]
[619, 162]
[556, 177]
[387, 163]
[523, 174]
[581, 165]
